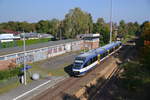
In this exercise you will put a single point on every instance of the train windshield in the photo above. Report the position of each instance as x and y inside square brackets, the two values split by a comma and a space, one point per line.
[77, 65]
[78, 62]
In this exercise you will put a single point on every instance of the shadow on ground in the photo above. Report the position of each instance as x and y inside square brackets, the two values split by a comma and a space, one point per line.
[68, 70]
[69, 97]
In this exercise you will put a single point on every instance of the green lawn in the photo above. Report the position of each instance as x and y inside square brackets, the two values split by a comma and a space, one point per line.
[11, 84]
[47, 72]
[20, 42]
[8, 87]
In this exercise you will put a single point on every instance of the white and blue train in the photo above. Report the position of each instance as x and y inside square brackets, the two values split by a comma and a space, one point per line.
[86, 61]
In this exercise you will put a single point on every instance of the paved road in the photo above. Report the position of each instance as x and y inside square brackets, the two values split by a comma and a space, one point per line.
[34, 46]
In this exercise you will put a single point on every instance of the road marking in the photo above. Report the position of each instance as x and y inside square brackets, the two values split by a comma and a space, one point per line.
[30, 90]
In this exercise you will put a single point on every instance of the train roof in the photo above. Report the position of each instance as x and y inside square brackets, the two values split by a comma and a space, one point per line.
[86, 54]
[109, 46]
[99, 50]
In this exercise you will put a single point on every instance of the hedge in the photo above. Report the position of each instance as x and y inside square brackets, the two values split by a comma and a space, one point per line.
[5, 74]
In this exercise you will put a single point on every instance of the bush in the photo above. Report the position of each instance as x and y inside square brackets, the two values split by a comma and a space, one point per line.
[5, 74]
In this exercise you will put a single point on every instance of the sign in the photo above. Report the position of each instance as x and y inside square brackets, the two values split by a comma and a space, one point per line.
[26, 68]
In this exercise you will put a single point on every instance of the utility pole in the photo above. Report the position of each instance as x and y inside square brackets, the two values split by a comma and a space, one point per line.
[60, 34]
[24, 50]
[110, 21]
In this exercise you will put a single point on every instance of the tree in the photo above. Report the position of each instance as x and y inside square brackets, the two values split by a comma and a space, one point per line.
[145, 31]
[42, 26]
[122, 27]
[54, 27]
[103, 28]
[132, 28]
[77, 22]
[99, 25]
[145, 51]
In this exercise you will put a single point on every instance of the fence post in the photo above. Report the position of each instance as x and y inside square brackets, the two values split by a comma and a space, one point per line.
[0, 44]
[15, 44]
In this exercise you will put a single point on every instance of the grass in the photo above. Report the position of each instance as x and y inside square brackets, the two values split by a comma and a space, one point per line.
[47, 72]
[20, 42]
[8, 87]
[12, 82]
[36, 68]
[57, 72]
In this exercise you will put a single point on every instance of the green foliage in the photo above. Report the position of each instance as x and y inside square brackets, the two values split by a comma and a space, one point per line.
[42, 26]
[145, 31]
[77, 22]
[54, 27]
[128, 28]
[5, 74]
[103, 28]
[136, 76]
[145, 48]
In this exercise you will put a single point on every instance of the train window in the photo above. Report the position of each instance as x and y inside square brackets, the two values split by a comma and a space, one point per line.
[94, 59]
[77, 65]
[111, 50]
[80, 58]
[87, 63]
[102, 56]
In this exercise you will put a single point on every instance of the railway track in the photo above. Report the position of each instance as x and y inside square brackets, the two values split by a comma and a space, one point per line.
[70, 85]
[100, 93]
[111, 78]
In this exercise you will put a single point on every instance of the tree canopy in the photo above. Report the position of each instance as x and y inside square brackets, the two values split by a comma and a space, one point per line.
[76, 22]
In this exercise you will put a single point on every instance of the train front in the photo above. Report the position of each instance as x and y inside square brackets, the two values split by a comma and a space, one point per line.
[77, 66]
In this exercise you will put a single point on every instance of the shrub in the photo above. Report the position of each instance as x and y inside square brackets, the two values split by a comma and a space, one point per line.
[5, 74]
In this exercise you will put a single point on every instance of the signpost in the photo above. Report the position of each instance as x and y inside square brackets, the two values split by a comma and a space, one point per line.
[24, 69]
[24, 49]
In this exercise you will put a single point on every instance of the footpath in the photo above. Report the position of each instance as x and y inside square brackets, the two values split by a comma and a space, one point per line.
[26, 92]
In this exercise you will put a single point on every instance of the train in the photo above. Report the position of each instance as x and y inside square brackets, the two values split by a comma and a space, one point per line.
[84, 62]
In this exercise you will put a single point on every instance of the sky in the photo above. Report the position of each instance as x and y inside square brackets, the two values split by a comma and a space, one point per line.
[35, 10]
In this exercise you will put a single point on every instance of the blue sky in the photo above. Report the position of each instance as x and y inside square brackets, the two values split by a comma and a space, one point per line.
[35, 10]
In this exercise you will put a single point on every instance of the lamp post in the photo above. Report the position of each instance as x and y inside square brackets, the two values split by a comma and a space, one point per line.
[110, 22]
[24, 61]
